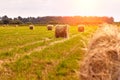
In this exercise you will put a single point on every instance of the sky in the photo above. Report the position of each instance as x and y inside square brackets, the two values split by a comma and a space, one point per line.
[35, 8]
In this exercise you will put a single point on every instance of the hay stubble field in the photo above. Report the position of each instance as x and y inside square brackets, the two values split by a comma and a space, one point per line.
[37, 55]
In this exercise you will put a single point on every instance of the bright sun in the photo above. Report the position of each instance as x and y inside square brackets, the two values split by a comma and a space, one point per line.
[86, 5]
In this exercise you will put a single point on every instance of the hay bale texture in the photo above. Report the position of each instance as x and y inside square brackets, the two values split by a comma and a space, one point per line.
[62, 31]
[102, 59]
[31, 27]
[50, 27]
[81, 28]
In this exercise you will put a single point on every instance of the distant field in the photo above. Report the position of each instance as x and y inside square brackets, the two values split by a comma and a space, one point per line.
[37, 55]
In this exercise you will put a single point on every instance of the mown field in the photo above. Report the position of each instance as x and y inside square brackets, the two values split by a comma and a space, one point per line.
[37, 55]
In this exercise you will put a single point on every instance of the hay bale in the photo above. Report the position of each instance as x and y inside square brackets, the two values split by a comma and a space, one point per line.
[81, 28]
[4, 25]
[31, 27]
[100, 25]
[102, 59]
[61, 31]
[16, 25]
[49, 27]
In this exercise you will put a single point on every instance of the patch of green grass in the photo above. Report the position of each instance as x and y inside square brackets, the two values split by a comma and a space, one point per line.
[6, 54]
[11, 38]
[22, 64]
[56, 62]
[53, 58]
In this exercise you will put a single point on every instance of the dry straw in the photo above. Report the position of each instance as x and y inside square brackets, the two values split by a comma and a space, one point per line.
[50, 27]
[62, 31]
[102, 59]
[31, 27]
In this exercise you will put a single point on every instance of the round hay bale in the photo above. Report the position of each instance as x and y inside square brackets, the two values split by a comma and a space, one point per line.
[81, 28]
[102, 58]
[16, 25]
[100, 25]
[50, 27]
[31, 27]
[62, 31]
[4, 25]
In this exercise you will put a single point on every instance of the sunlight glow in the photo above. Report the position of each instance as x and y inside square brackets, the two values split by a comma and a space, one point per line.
[86, 6]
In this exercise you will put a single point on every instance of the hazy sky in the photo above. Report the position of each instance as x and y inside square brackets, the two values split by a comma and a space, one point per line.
[35, 8]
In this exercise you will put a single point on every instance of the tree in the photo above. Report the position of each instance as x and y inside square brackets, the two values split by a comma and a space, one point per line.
[5, 20]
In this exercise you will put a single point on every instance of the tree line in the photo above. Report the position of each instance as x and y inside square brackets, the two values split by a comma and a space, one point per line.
[71, 20]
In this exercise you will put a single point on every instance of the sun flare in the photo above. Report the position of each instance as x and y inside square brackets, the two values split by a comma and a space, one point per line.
[86, 5]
